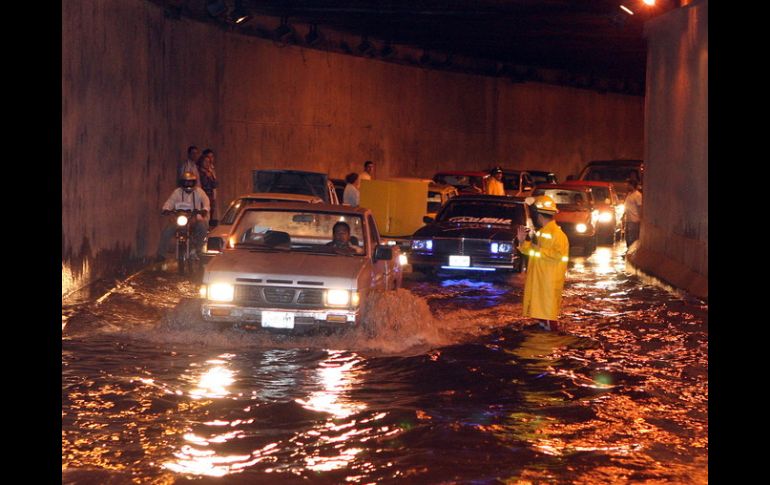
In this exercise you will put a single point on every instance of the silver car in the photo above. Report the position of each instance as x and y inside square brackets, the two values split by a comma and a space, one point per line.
[284, 273]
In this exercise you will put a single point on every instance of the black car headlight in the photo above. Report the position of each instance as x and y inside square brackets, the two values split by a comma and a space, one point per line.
[496, 248]
[422, 244]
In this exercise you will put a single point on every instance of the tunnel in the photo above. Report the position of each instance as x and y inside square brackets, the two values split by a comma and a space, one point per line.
[442, 378]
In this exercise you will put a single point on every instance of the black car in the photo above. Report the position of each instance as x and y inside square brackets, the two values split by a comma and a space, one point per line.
[471, 233]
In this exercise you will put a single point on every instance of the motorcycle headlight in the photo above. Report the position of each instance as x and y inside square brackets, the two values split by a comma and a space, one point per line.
[337, 297]
[605, 217]
[500, 247]
[221, 292]
[422, 244]
[581, 228]
[181, 221]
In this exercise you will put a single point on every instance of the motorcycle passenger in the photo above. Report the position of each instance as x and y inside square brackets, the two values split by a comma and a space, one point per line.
[341, 241]
[186, 197]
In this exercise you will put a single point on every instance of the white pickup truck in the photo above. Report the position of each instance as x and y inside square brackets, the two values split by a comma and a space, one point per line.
[286, 270]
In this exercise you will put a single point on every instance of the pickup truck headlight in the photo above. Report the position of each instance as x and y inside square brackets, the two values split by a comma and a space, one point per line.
[581, 228]
[181, 221]
[221, 292]
[422, 244]
[500, 247]
[340, 298]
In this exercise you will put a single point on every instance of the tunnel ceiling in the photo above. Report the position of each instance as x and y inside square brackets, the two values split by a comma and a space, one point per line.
[589, 38]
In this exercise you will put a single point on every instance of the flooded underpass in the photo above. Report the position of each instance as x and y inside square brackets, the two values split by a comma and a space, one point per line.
[443, 383]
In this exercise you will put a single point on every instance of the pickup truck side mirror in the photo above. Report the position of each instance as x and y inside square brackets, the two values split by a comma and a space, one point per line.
[383, 253]
[427, 219]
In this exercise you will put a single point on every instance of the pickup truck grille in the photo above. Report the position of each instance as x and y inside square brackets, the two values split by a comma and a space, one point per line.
[282, 296]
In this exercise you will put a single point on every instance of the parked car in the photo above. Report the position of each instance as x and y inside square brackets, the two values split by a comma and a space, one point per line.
[438, 195]
[283, 274]
[615, 171]
[543, 177]
[295, 182]
[610, 207]
[471, 233]
[576, 215]
[217, 238]
[517, 183]
[465, 181]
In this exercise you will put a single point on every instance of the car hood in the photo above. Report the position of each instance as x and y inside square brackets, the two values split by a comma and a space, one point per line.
[468, 231]
[573, 217]
[334, 271]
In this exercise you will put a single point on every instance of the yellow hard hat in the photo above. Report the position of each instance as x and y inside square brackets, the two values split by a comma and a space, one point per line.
[543, 204]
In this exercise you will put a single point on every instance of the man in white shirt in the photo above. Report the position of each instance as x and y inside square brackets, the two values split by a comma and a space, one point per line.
[189, 165]
[368, 173]
[352, 194]
[633, 212]
[186, 197]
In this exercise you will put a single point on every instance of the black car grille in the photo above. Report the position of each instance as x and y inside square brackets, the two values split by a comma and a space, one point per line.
[286, 297]
[461, 246]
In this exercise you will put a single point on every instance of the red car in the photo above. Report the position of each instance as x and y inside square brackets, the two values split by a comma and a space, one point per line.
[610, 207]
[576, 216]
[465, 181]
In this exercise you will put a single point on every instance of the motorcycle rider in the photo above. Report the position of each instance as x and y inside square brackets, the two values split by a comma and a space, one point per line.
[187, 197]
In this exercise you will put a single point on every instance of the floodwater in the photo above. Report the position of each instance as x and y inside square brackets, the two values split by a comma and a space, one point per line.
[443, 383]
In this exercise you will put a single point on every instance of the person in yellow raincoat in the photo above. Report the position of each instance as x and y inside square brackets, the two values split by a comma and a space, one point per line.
[548, 251]
[495, 182]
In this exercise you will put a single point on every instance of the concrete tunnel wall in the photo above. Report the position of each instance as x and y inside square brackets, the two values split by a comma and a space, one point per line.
[137, 88]
[674, 231]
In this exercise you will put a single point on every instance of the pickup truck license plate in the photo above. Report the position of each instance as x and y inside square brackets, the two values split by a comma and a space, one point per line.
[459, 261]
[277, 319]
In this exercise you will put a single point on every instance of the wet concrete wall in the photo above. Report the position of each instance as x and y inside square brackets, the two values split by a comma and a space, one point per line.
[138, 88]
[674, 231]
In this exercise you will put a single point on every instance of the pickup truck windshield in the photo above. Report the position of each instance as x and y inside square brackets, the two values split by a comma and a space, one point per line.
[477, 212]
[288, 182]
[305, 230]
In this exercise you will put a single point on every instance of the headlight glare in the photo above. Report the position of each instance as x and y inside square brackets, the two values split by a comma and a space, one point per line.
[402, 259]
[605, 217]
[337, 297]
[221, 292]
[581, 228]
[181, 221]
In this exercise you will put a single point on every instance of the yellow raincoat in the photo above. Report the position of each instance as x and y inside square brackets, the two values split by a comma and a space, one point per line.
[495, 187]
[546, 270]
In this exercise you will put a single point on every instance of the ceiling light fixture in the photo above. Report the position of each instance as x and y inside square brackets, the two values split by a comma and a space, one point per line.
[240, 14]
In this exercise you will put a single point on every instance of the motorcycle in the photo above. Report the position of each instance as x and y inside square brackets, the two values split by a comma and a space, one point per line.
[183, 235]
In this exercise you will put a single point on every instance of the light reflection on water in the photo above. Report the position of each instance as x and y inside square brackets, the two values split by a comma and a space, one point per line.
[623, 396]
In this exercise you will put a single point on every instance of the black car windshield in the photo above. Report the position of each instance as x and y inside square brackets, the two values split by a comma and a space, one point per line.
[481, 212]
[567, 199]
[296, 230]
